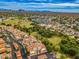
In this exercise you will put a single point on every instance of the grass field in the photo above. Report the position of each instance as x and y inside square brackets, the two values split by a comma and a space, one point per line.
[55, 40]
[26, 24]
[11, 22]
[15, 22]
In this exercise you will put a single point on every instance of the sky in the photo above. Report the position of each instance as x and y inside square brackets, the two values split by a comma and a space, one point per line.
[71, 6]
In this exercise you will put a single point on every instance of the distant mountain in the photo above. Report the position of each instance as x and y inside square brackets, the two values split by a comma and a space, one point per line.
[4, 9]
[34, 11]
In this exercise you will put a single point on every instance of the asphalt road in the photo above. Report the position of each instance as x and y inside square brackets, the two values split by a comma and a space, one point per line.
[8, 40]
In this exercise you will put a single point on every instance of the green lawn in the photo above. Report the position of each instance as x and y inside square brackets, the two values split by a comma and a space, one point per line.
[14, 22]
[55, 40]
[26, 24]
[11, 22]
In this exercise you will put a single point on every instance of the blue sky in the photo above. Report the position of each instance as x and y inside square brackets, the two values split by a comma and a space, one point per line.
[42, 5]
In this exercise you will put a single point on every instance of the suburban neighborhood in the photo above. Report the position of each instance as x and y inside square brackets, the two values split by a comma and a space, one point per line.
[39, 36]
[32, 48]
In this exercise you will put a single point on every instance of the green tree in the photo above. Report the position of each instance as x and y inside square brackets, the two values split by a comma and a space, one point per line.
[6, 57]
[77, 57]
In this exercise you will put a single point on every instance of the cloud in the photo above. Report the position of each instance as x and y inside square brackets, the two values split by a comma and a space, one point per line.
[47, 1]
[65, 7]
[39, 4]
